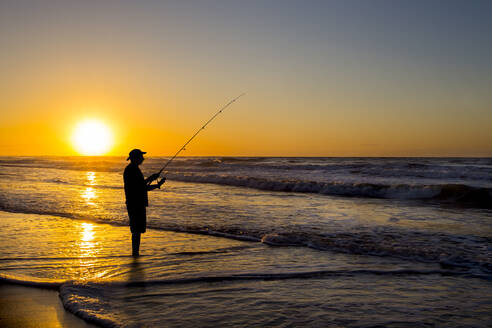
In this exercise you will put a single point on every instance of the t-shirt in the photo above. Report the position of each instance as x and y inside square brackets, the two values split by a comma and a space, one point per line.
[135, 186]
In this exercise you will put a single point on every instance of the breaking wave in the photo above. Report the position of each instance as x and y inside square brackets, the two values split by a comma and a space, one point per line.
[93, 301]
[446, 249]
[451, 193]
[450, 251]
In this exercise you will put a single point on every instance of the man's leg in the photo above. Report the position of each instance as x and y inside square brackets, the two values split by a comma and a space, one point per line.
[135, 243]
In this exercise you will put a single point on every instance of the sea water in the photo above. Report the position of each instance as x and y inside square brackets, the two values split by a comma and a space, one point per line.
[238, 241]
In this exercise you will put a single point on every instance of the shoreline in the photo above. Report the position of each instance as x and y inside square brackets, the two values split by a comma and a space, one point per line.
[177, 274]
[27, 306]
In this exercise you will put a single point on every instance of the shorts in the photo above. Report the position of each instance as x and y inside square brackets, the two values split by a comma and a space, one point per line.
[138, 218]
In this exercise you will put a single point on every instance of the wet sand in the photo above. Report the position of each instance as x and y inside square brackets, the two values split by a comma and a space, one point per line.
[34, 307]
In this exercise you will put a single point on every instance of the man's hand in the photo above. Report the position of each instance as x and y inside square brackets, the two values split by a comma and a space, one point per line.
[153, 177]
[161, 182]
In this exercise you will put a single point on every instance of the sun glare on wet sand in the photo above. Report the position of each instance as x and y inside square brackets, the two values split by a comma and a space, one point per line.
[92, 138]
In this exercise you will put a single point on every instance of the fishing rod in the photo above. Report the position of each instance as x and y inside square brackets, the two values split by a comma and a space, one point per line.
[199, 130]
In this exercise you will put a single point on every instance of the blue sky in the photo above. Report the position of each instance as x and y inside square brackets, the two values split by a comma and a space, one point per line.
[324, 78]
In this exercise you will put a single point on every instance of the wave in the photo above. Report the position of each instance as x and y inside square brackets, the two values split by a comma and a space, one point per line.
[44, 258]
[451, 193]
[84, 184]
[88, 304]
[63, 284]
[31, 281]
[447, 250]
[287, 276]
[58, 180]
[360, 170]
[97, 164]
[92, 301]
[476, 169]
[216, 251]
[459, 194]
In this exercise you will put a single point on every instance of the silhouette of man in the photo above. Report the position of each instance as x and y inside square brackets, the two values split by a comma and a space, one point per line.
[136, 187]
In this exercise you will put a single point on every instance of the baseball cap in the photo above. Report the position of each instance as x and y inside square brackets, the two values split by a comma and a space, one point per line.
[135, 153]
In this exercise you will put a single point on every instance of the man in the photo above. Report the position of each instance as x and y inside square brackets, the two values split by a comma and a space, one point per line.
[136, 187]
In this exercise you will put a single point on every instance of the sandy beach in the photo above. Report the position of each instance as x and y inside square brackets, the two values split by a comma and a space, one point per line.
[31, 307]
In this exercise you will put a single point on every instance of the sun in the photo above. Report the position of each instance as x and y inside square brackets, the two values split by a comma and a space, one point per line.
[92, 138]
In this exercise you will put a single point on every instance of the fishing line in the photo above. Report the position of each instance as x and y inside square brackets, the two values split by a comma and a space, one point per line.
[199, 130]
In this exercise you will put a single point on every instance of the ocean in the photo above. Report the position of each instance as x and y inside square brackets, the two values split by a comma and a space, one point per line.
[256, 241]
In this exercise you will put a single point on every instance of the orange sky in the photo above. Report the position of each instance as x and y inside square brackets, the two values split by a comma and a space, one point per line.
[345, 86]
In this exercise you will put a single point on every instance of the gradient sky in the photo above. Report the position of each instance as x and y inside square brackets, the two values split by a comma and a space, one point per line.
[323, 78]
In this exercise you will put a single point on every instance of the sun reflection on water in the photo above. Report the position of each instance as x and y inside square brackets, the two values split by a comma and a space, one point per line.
[89, 194]
[87, 231]
[87, 250]
[91, 178]
[87, 245]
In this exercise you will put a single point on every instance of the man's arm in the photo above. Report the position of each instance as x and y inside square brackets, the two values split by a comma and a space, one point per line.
[153, 177]
[156, 186]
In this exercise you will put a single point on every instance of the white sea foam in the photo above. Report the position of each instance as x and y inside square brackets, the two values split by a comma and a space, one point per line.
[89, 304]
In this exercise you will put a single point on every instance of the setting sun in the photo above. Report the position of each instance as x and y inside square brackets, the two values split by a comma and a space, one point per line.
[92, 138]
